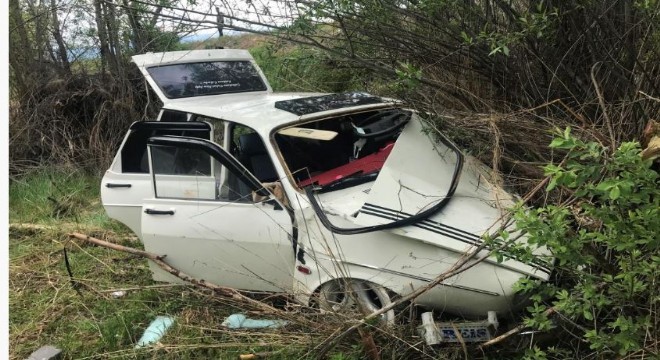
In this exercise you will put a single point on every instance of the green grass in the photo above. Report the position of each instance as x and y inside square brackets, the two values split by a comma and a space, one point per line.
[50, 196]
[85, 321]
[79, 315]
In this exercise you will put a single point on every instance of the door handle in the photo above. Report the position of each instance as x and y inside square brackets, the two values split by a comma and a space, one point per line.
[112, 186]
[158, 212]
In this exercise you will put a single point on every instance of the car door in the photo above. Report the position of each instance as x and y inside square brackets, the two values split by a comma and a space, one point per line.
[127, 182]
[216, 233]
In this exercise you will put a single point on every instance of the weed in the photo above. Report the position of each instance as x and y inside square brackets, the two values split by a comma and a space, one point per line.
[87, 322]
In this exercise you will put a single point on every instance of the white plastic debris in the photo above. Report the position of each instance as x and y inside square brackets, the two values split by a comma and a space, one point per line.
[431, 334]
[118, 294]
[240, 321]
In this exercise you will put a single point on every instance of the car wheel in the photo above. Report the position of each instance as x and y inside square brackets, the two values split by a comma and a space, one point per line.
[360, 297]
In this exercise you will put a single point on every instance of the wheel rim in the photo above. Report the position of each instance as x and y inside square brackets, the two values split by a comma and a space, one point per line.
[344, 295]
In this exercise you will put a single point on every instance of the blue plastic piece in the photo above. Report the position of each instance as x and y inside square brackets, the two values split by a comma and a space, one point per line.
[155, 331]
[240, 321]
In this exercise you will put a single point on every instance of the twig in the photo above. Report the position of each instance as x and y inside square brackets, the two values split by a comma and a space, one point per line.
[601, 102]
[462, 265]
[649, 96]
[158, 260]
[513, 331]
[369, 344]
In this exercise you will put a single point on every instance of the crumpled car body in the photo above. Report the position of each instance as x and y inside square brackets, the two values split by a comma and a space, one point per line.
[289, 192]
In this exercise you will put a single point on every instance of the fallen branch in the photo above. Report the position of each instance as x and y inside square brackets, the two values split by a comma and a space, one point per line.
[513, 331]
[460, 266]
[63, 227]
[137, 288]
[158, 260]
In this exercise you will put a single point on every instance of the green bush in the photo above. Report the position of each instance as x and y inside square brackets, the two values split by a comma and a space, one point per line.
[604, 237]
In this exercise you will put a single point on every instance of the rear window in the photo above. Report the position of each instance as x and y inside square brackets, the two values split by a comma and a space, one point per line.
[206, 78]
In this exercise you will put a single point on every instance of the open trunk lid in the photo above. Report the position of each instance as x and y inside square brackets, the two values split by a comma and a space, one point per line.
[182, 74]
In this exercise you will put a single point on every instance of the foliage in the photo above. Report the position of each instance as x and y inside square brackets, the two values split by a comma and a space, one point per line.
[290, 68]
[584, 63]
[604, 239]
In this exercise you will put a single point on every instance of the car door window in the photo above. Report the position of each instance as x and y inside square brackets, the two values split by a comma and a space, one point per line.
[134, 152]
[192, 174]
[217, 125]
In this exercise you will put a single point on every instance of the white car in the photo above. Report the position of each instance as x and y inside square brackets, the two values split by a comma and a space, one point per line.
[297, 192]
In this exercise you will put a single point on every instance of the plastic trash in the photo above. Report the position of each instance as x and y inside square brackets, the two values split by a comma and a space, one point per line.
[240, 321]
[155, 331]
[118, 294]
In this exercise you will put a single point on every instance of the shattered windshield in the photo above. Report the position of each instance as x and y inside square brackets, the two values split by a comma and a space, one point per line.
[354, 153]
[207, 78]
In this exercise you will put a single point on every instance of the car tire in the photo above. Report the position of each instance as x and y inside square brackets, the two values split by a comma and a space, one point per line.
[355, 297]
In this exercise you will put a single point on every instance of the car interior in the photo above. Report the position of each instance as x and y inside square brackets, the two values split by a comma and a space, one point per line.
[360, 147]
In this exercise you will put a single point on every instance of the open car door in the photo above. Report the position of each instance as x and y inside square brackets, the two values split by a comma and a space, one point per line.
[182, 74]
[216, 232]
[127, 182]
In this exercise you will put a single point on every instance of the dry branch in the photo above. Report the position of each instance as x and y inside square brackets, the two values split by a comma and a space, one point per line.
[511, 332]
[460, 266]
[158, 260]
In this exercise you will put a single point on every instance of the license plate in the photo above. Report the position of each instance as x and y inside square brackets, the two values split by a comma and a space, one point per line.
[470, 332]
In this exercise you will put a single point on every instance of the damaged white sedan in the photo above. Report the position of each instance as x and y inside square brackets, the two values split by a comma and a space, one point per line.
[299, 192]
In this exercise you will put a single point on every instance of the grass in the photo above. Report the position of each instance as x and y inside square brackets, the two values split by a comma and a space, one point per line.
[51, 196]
[86, 321]
[79, 314]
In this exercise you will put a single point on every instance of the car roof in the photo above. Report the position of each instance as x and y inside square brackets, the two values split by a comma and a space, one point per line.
[259, 111]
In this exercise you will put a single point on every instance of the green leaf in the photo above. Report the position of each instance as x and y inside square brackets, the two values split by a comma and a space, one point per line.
[604, 186]
[615, 192]
[552, 184]
[557, 142]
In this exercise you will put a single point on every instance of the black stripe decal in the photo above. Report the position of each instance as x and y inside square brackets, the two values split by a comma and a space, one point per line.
[423, 226]
[458, 232]
[438, 228]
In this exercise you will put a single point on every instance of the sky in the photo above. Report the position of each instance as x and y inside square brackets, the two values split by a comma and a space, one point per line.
[77, 18]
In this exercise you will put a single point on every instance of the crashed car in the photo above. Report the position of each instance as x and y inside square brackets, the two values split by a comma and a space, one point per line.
[304, 193]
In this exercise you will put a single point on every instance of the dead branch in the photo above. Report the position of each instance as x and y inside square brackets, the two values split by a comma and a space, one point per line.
[513, 331]
[158, 260]
[370, 349]
[462, 265]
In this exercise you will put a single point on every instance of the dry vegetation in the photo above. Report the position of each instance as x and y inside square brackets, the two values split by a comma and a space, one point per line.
[499, 86]
[80, 315]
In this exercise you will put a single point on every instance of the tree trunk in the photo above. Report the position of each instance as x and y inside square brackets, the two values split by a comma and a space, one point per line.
[113, 35]
[61, 47]
[21, 47]
[103, 36]
[137, 38]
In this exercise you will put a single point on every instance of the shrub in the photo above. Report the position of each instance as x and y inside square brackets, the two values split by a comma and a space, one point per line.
[604, 237]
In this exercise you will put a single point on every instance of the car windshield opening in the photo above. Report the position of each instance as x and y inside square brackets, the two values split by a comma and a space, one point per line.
[355, 155]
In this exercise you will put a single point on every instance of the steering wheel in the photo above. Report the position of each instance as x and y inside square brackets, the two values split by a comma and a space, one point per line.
[394, 117]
